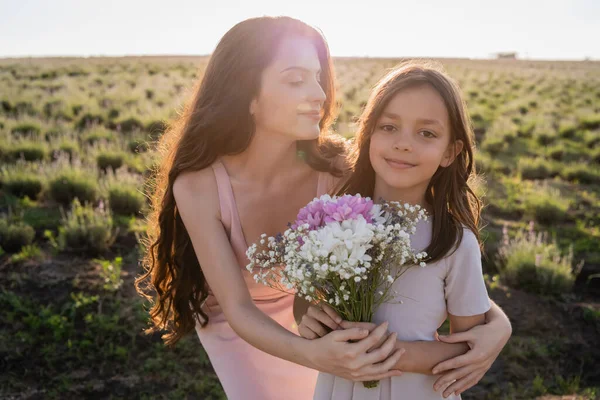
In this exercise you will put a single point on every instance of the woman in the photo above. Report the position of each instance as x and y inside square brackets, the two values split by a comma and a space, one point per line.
[248, 152]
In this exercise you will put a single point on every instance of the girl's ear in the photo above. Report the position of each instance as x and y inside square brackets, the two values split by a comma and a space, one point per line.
[451, 153]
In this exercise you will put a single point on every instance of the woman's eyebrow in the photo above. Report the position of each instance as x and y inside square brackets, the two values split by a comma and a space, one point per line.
[318, 71]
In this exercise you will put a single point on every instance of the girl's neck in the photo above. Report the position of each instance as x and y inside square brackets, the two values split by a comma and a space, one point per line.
[413, 196]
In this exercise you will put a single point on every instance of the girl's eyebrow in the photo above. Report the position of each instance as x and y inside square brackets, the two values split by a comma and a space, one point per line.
[424, 121]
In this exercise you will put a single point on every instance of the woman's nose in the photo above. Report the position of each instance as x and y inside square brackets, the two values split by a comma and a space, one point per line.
[317, 94]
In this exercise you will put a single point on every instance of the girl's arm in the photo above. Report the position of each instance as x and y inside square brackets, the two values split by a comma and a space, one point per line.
[197, 202]
[419, 357]
[477, 354]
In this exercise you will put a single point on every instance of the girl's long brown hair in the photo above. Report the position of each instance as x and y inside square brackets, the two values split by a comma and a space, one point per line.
[217, 122]
[449, 192]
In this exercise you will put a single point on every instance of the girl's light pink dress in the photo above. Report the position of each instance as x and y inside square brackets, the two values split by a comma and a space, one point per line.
[245, 372]
[452, 285]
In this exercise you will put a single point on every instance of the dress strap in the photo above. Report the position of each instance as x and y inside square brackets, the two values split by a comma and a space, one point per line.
[226, 199]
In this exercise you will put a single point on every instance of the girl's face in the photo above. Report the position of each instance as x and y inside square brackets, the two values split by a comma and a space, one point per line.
[411, 140]
[290, 102]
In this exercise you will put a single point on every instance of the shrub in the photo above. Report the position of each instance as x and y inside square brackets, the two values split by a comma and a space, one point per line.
[532, 263]
[590, 121]
[98, 136]
[71, 184]
[535, 168]
[125, 199]
[138, 146]
[28, 151]
[26, 129]
[546, 205]
[89, 119]
[106, 160]
[15, 236]
[582, 174]
[22, 183]
[494, 146]
[86, 229]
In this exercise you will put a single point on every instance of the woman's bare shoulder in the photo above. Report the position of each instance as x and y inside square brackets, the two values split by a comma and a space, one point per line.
[197, 189]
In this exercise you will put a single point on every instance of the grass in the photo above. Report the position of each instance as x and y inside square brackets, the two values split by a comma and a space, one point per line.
[77, 144]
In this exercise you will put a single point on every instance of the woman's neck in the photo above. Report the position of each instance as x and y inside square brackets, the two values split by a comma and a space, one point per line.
[267, 161]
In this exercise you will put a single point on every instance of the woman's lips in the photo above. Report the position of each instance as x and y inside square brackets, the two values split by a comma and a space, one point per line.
[398, 164]
[314, 115]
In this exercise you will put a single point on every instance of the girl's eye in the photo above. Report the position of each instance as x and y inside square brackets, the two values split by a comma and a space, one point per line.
[297, 82]
[428, 134]
[387, 128]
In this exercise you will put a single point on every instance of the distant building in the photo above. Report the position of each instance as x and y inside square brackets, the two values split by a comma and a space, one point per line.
[506, 56]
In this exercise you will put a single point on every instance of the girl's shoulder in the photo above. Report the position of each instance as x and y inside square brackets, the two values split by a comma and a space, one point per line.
[468, 250]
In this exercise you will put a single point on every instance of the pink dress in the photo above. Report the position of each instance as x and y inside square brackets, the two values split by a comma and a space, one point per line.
[452, 285]
[246, 372]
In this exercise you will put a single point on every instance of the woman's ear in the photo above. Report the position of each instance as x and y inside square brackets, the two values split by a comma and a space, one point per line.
[452, 152]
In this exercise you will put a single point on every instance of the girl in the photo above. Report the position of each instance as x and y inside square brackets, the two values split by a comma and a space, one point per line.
[415, 145]
[248, 152]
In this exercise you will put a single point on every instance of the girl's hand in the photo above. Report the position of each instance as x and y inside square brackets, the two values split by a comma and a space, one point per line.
[465, 371]
[318, 322]
[334, 354]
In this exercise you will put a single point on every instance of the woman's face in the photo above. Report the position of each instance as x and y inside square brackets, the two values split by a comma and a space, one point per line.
[290, 102]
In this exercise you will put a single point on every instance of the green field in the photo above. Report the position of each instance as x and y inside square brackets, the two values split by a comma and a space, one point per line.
[77, 145]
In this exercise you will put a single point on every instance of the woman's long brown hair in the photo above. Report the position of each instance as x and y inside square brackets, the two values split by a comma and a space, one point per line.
[449, 192]
[217, 122]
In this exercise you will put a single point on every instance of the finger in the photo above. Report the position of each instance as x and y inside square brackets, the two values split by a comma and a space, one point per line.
[365, 325]
[388, 364]
[446, 379]
[383, 352]
[314, 325]
[437, 336]
[322, 317]
[379, 344]
[345, 335]
[463, 384]
[332, 314]
[465, 336]
[307, 333]
[454, 363]
[373, 338]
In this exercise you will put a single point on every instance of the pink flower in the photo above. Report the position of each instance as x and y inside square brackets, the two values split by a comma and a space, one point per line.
[348, 208]
[325, 209]
[311, 214]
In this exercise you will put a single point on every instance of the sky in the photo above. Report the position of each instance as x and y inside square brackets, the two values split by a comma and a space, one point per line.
[535, 29]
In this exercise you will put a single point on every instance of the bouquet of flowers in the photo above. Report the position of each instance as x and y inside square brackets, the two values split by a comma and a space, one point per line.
[345, 251]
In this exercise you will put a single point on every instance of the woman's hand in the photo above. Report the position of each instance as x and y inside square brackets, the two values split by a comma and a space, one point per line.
[370, 358]
[465, 371]
[334, 354]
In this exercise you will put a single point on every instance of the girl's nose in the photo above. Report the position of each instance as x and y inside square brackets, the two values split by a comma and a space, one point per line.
[402, 142]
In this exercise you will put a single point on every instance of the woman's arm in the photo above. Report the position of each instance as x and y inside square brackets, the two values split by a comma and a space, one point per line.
[428, 357]
[485, 343]
[198, 204]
